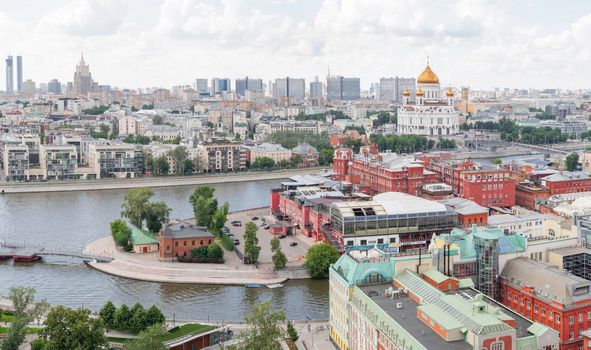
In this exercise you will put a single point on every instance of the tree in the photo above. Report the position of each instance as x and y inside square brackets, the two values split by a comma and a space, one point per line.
[292, 332]
[107, 314]
[179, 155]
[135, 205]
[571, 161]
[38, 344]
[157, 120]
[498, 161]
[251, 241]
[200, 253]
[446, 144]
[204, 205]
[149, 339]
[325, 156]
[26, 310]
[121, 233]
[154, 316]
[263, 163]
[296, 160]
[122, 317]
[319, 258]
[188, 167]
[219, 219]
[67, 328]
[215, 252]
[138, 318]
[161, 166]
[157, 215]
[279, 258]
[264, 331]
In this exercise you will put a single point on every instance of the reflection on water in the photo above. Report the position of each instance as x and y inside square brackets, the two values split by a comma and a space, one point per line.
[73, 219]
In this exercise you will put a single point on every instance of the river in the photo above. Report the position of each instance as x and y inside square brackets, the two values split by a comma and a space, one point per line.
[74, 219]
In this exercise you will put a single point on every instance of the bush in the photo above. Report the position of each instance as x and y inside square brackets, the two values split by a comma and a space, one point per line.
[215, 252]
[38, 344]
[199, 253]
[292, 332]
[121, 234]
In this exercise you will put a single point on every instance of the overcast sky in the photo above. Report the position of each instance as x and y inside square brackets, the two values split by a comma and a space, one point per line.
[149, 43]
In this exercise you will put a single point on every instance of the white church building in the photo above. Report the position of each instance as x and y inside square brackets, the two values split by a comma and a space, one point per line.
[430, 114]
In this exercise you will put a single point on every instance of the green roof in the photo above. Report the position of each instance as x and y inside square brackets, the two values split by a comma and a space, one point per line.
[141, 237]
[186, 330]
[465, 283]
[354, 272]
[489, 233]
[441, 318]
[537, 329]
[436, 276]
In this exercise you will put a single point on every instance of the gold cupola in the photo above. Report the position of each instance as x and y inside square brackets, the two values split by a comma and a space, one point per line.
[428, 76]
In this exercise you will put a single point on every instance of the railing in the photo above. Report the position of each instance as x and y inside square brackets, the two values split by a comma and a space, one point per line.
[38, 249]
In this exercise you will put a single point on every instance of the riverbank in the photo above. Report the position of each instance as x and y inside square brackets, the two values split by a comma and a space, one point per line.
[167, 181]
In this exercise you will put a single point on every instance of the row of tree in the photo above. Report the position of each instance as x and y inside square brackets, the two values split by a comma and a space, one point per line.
[205, 254]
[134, 320]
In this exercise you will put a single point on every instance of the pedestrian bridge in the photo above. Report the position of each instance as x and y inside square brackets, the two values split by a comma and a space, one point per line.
[41, 250]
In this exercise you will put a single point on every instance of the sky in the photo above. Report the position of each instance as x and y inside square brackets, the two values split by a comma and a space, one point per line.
[161, 43]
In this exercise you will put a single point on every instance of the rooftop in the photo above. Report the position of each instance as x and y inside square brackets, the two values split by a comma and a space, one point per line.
[183, 229]
[464, 206]
[547, 281]
[566, 176]
[402, 203]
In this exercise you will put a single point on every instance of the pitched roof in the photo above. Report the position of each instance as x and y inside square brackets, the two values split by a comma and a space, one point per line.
[141, 237]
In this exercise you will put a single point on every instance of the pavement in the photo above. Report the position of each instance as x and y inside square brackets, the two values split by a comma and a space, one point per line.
[295, 254]
[148, 266]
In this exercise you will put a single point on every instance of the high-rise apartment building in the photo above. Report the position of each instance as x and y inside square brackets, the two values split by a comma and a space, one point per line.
[28, 88]
[201, 85]
[316, 88]
[54, 87]
[242, 85]
[341, 88]
[9, 76]
[19, 73]
[392, 89]
[220, 84]
[290, 87]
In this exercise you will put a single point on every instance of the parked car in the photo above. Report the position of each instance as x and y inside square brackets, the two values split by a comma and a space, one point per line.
[236, 223]
[254, 218]
[230, 235]
[266, 227]
[225, 229]
[236, 242]
[262, 224]
[282, 236]
[293, 244]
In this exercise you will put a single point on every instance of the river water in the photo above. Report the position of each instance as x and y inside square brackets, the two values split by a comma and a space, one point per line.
[74, 219]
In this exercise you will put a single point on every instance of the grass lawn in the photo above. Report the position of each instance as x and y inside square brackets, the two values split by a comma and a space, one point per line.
[192, 328]
[118, 340]
[28, 330]
[6, 318]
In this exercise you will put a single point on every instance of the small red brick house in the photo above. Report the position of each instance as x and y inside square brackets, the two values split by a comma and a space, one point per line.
[179, 237]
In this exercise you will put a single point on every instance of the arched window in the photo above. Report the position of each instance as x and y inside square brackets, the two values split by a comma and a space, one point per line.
[374, 278]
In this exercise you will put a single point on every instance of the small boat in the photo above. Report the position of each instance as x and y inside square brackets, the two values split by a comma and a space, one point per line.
[253, 285]
[25, 258]
[5, 257]
[275, 285]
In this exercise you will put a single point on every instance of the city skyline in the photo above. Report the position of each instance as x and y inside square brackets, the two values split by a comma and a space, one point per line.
[482, 44]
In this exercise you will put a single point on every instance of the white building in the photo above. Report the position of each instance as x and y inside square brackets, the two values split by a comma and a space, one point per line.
[431, 114]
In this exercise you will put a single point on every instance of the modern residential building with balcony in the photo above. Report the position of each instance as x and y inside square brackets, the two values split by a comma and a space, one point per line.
[116, 160]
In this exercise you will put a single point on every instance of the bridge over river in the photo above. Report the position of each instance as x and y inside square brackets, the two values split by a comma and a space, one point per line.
[8, 248]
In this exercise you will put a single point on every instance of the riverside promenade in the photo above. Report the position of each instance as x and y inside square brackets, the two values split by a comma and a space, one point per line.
[165, 181]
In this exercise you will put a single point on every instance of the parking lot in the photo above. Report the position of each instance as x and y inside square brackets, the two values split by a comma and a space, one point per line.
[295, 254]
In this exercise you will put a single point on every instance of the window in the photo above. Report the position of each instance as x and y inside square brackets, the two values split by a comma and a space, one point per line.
[498, 346]
[580, 317]
[549, 315]
[201, 242]
[571, 319]
[192, 242]
[536, 309]
[557, 319]
[176, 244]
[184, 243]
[571, 335]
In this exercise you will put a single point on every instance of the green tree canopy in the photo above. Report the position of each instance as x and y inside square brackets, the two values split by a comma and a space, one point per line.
[264, 331]
[136, 205]
[26, 310]
[204, 205]
[251, 241]
[107, 314]
[150, 339]
[215, 252]
[319, 258]
[121, 234]
[123, 317]
[220, 217]
[138, 319]
[263, 163]
[571, 161]
[179, 154]
[157, 215]
[154, 316]
[67, 328]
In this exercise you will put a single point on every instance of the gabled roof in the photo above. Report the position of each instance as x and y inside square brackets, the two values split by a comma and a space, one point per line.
[141, 237]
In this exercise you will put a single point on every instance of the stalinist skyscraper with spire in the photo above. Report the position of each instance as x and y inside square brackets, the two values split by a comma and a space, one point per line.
[83, 83]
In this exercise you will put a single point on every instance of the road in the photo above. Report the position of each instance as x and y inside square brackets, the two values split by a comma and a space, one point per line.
[167, 181]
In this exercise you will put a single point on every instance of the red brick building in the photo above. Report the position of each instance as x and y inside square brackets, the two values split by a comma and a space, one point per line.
[376, 173]
[468, 211]
[567, 182]
[527, 194]
[487, 186]
[544, 294]
[178, 238]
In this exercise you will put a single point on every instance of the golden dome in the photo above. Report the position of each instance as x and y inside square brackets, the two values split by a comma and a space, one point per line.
[428, 76]
[420, 92]
[449, 92]
[406, 92]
